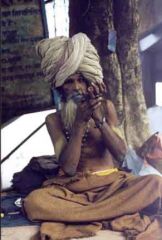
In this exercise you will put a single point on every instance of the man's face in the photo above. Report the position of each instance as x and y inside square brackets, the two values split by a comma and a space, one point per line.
[74, 83]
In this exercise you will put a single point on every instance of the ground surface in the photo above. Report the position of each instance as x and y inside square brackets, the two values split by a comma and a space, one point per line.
[26, 233]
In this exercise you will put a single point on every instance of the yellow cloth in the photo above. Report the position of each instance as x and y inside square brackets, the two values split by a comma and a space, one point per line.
[105, 172]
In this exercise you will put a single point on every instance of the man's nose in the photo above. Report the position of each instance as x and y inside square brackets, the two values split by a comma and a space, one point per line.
[76, 86]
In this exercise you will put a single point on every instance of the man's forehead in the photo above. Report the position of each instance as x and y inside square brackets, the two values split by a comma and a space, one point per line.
[74, 76]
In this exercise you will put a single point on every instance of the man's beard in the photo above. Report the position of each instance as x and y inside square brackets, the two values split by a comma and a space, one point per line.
[68, 113]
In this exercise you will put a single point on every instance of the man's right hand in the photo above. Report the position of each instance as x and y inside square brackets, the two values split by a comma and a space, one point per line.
[83, 113]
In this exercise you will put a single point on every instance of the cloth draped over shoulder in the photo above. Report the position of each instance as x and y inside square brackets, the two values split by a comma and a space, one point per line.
[80, 206]
[63, 56]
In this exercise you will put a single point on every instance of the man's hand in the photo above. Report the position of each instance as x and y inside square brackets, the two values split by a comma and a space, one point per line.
[83, 113]
[97, 101]
[93, 107]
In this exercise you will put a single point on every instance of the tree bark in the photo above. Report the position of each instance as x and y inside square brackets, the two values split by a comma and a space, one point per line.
[121, 69]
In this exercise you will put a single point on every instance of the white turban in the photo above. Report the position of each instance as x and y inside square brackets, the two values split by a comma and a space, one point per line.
[63, 56]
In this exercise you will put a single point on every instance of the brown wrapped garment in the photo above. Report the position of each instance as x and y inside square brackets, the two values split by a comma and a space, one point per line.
[82, 205]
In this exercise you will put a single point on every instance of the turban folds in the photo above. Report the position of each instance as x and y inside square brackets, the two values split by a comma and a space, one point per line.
[63, 56]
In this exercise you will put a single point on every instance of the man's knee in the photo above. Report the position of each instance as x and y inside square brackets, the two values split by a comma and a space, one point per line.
[32, 202]
[155, 177]
[155, 180]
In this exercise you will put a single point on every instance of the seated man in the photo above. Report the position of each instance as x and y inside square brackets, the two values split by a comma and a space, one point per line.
[147, 159]
[90, 192]
[82, 132]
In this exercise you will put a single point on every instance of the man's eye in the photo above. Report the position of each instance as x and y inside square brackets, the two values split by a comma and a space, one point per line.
[69, 81]
[81, 79]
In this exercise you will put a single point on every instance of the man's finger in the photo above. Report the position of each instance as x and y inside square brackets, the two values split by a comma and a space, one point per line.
[96, 89]
[91, 92]
[96, 106]
[103, 87]
[95, 101]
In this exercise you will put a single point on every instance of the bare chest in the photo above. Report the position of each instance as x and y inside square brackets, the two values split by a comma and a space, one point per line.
[93, 146]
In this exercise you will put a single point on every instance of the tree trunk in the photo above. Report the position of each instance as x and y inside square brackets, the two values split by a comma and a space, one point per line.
[121, 68]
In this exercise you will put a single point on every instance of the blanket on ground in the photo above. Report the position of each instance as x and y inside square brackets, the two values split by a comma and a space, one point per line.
[79, 206]
[12, 215]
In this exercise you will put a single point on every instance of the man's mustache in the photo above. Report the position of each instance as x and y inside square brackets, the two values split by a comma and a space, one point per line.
[78, 97]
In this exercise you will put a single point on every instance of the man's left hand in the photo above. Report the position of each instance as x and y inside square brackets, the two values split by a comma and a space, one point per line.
[97, 100]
